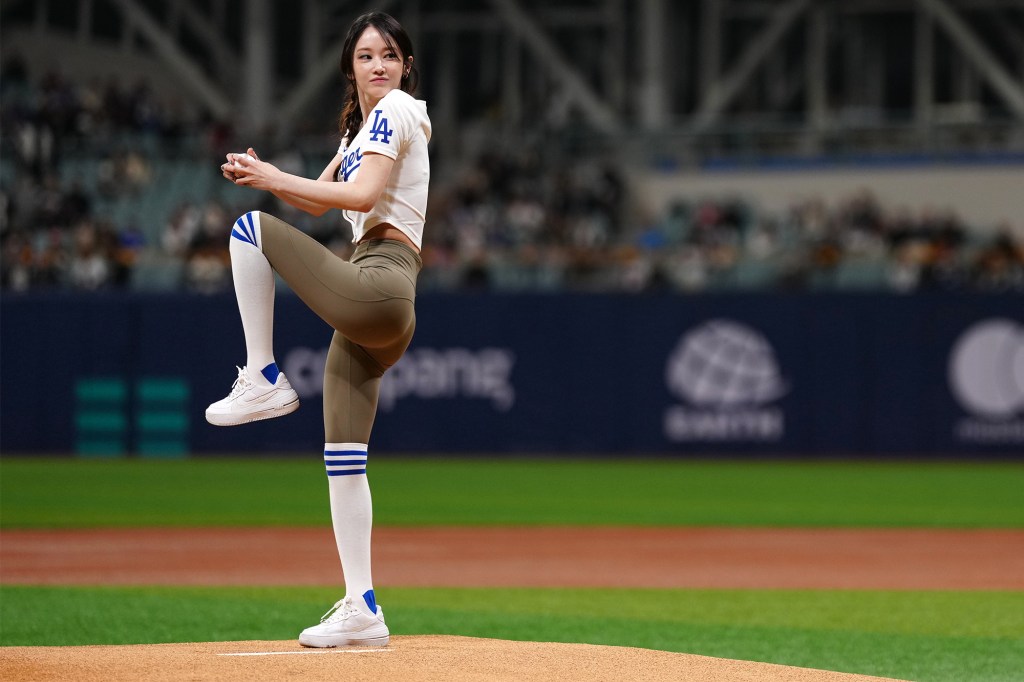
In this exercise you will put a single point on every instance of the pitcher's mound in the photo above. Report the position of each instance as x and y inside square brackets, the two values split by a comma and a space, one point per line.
[407, 658]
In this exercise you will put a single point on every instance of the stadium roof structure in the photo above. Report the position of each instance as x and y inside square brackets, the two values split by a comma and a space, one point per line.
[784, 76]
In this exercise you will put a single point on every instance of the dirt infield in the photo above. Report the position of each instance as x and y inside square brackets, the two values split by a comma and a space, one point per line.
[515, 557]
[406, 659]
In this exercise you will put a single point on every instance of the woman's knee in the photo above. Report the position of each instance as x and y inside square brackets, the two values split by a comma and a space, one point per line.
[247, 230]
[251, 227]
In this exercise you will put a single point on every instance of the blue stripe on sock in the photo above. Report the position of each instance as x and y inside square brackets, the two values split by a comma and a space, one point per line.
[342, 458]
[238, 235]
[243, 230]
[252, 228]
[332, 463]
[371, 600]
[247, 230]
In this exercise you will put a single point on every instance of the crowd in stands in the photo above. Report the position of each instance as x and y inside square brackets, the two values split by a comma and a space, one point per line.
[53, 232]
[511, 221]
[515, 223]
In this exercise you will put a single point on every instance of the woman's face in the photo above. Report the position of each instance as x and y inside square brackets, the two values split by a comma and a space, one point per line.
[377, 68]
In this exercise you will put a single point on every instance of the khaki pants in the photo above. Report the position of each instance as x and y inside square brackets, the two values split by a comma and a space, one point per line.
[369, 303]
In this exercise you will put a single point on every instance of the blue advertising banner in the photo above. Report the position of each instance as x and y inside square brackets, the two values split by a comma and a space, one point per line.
[795, 375]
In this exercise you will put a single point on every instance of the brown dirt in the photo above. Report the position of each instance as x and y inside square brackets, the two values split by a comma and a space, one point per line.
[527, 557]
[423, 659]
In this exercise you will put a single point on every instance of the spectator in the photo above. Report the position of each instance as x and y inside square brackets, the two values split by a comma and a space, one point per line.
[999, 267]
[180, 230]
[89, 267]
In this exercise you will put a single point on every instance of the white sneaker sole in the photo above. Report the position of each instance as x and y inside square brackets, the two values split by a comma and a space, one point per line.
[331, 641]
[229, 419]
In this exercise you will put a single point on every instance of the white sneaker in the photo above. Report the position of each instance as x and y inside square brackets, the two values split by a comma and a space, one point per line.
[346, 624]
[248, 402]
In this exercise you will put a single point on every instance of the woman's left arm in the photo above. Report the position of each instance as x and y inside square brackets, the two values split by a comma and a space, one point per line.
[360, 194]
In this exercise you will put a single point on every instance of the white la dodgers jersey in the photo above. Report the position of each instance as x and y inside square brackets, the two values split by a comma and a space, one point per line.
[399, 128]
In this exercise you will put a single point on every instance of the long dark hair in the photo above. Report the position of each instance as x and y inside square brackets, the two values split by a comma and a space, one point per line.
[351, 118]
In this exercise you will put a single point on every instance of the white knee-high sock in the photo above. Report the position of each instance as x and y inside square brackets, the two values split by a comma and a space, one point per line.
[254, 289]
[352, 516]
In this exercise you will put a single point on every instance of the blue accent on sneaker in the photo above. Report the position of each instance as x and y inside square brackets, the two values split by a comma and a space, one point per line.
[370, 600]
[271, 372]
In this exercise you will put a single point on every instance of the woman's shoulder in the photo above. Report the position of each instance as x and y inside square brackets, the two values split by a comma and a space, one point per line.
[410, 109]
[399, 94]
[401, 98]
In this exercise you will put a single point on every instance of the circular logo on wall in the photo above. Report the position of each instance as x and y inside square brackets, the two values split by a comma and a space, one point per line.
[986, 368]
[724, 364]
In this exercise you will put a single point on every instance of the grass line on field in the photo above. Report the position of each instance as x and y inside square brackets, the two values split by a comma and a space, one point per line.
[923, 636]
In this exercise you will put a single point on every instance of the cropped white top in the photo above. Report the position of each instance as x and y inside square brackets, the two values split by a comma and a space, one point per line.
[399, 128]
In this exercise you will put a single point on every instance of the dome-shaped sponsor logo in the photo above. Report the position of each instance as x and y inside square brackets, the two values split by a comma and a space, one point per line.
[986, 369]
[724, 364]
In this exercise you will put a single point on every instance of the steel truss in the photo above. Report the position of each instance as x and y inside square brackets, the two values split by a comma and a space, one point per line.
[811, 75]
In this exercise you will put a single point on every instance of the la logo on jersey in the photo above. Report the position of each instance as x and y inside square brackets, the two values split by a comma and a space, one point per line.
[379, 131]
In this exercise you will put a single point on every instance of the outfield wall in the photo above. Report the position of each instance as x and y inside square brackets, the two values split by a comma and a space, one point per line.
[804, 375]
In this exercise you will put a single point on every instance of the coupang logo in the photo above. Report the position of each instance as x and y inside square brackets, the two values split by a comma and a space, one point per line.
[726, 375]
[422, 373]
[986, 376]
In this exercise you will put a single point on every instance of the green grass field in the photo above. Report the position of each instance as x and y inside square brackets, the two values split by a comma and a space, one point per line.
[923, 636]
[62, 493]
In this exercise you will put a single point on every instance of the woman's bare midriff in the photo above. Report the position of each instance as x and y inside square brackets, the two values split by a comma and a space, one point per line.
[388, 231]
